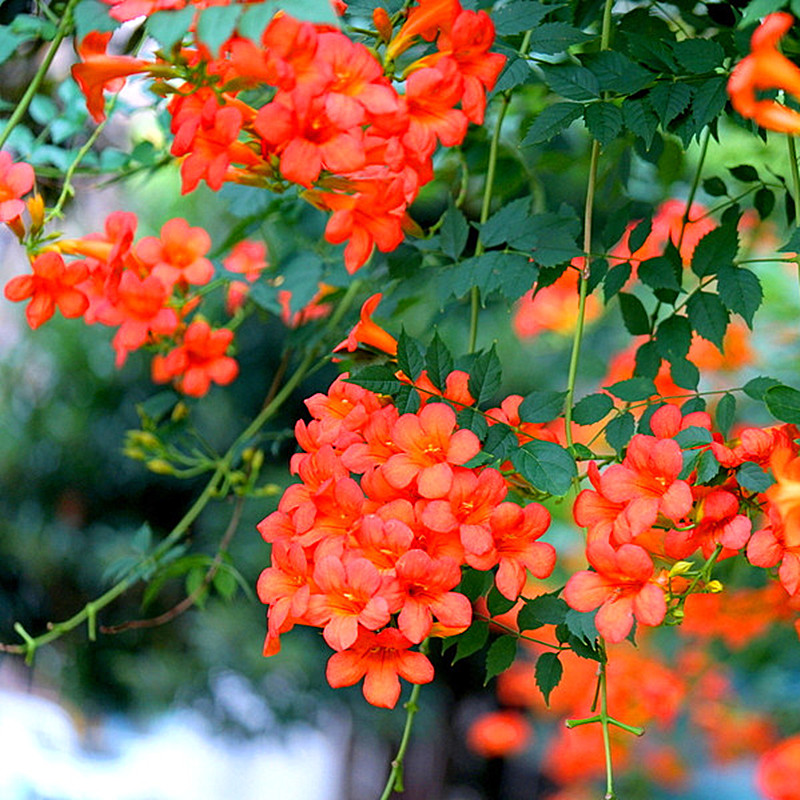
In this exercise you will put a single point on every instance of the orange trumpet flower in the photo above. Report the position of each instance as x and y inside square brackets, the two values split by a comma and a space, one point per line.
[766, 68]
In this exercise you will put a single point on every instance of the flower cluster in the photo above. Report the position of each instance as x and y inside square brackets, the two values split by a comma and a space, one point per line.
[369, 545]
[334, 123]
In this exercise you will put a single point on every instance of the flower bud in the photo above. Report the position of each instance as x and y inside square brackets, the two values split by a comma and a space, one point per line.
[160, 466]
[17, 227]
[181, 411]
[36, 210]
[382, 23]
[715, 587]
[680, 568]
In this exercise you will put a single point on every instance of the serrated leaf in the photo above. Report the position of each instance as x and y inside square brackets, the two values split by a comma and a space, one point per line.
[216, 24]
[572, 82]
[648, 360]
[793, 245]
[616, 278]
[632, 389]
[758, 387]
[169, 27]
[640, 120]
[547, 466]
[555, 37]
[620, 430]
[486, 374]
[224, 582]
[717, 249]
[501, 441]
[692, 405]
[581, 624]
[453, 233]
[550, 122]
[506, 223]
[633, 314]
[668, 100]
[693, 436]
[378, 378]
[471, 640]
[500, 656]
[548, 674]
[542, 406]
[512, 274]
[498, 603]
[438, 362]
[407, 399]
[707, 466]
[254, 20]
[615, 72]
[318, 11]
[592, 408]
[580, 452]
[764, 202]
[519, 16]
[92, 15]
[709, 100]
[473, 420]
[753, 478]
[547, 609]
[740, 291]
[783, 403]
[684, 373]
[660, 273]
[725, 413]
[674, 337]
[410, 356]
[699, 55]
[639, 234]
[603, 121]
[708, 316]
[715, 187]
[517, 71]
[746, 173]
[474, 583]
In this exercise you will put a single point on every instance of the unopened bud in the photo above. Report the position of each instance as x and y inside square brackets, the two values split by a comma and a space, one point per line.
[678, 614]
[181, 411]
[715, 587]
[17, 227]
[36, 210]
[382, 23]
[160, 466]
[143, 439]
[135, 453]
[257, 460]
[680, 568]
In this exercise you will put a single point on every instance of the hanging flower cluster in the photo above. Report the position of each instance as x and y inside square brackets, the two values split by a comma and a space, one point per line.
[369, 545]
[333, 124]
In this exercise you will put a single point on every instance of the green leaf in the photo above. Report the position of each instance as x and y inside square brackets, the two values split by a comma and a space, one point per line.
[764, 202]
[715, 187]
[616, 278]
[453, 232]
[668, 100]
[709, 100]
[501, 441]
[753, 478]
[660, 273]
[674, 337]
[548, 674]
[519, 16]
[693, 436]
[707, 466]
[756, 9]
[740, 291]
[319, 11]
[632, 389]
[745, 173]
[474, 583]
[406, 399]
[783, 403]
[550, 122]
[547, 466]
[224, 582]
[516, 72]
[699, 55]
[758, 387]
[216, 24]
[92, 15]
[725, 413]
[551, 237]
[471, 640]
[648, 360]
[378, 378]
[633, 314]
[195, 582]
[793, 245]
[438, 362]
[640, 120]
[639, 234]
[615, 72]
[708, 316]
[498, 603]
[555, 37]
[572, 82]
[410, 357]
[581, 624]
[603, 121]
[169, 27]
[542, 406]
[485, 376]
[500, 656]
[592, 408]
[620, 430]
[254, 20]
[512, 274]
[715, 250]
[9, 42]
[546, 609]
[506, 223]
[684, 373]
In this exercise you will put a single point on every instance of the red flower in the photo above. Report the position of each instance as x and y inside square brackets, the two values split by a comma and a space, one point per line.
[498, 734]
[778, 771]
[368, 332]
[15, 181]
[178, 256]
[51, 284]
[379, 658]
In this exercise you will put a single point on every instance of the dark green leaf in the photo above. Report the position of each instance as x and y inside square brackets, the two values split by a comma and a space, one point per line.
[547, 609]
[632, 389]
[668, 100]
[725, 413]
[510, 273]
[709, 100]
[620, 430]
[616, 278]
[551, 238]
[485, 376]
[453, 233]
[715, 187]
[551, 121]
[472, 419]
[764, 201]
[519, 16]
[692, 405]
[603, 121]
[648, 360]
[617, 73]
[693, 436]
[410, 356]
[753, 478]
[659, 273]
[592, 408]
[708, 316]
[740, 291]
[555, 37]
[744, 173]
[169, 27]
[783, 403]
[516, 72]
[757, 387]
[580, 452]
[547, 466]
[684, 373]
[542, 406]
[474, 583]
[471, 640]
[598, 269]
[640, 120]
[378, 378]
[407, 399]
[699, 55]
[439, 362]
[689, 460]
[633, 314]
[506, 223]
[639, 234]
[581, 624]
[674, 337]
[715, 250]
[548, 674]
[498, 603]
[501, 441]
[216, 24]
[572, 82]
[707, 466]
[793, 245]
[500, 656]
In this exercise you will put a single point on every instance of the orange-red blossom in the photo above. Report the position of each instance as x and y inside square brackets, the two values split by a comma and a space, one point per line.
[764, 69]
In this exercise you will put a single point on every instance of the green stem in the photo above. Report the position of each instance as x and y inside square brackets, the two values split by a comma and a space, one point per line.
[395, 780]
[604, 723]
[795, 185]
[64, 28]
[695, 184]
